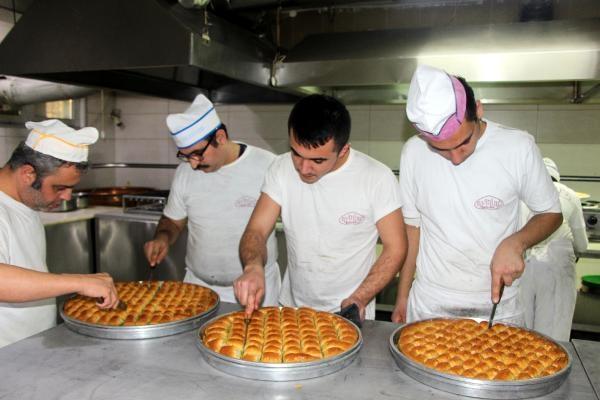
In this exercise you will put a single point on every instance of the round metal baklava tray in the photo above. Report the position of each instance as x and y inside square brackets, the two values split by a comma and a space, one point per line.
[277, 371]
[480, 388]
[139, 331]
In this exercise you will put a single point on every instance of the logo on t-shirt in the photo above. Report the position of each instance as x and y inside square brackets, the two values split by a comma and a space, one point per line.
[245, 201]
[489, 203]
[351, 218]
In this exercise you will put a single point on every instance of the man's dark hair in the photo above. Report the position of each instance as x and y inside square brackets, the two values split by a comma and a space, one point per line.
[318, 118]
[42, 164]
[471, 110]
[214, 143]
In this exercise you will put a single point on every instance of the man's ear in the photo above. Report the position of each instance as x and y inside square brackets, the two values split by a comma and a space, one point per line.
[344, 150]
[27, 174]
[221, 136]
[479, 108]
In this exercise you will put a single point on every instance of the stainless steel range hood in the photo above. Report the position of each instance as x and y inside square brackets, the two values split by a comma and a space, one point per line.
[553, 61]
[154, 47]
[158, 47]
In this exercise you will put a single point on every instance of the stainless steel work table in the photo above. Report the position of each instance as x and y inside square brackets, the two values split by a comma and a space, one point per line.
[589, 354]
[61, 364]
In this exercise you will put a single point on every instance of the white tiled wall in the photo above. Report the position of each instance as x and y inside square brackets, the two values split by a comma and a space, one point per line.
[570, 134]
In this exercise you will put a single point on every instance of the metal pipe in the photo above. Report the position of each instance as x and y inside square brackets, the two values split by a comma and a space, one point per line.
[569, 178]
[582, 97]
[579, 178]
[133, 165]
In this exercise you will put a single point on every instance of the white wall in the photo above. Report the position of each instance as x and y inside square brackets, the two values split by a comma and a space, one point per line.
[570, 134]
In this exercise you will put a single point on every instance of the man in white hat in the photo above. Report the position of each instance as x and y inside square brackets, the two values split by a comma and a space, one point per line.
[462, 179]
[549, 283]
[40, 174]
[213, 193]
[334, 202]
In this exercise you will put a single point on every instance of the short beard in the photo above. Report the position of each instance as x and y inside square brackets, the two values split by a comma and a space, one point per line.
[35, 200]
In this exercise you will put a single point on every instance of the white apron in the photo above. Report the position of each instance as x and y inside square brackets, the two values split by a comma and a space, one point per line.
[306, 291]
[272, 286]
[548, 290]
[427, 300]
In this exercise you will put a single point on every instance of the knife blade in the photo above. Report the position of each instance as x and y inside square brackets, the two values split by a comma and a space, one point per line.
[121, 305]
[494, 307]
[150, 277]
[246, 325]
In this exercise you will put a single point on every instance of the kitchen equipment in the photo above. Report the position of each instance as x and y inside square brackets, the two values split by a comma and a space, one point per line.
[591, 215]
[113, 196]
[494, 307]
[152, 204]
[486, 389]
[276, 372]
[590, 283]
[77, 201]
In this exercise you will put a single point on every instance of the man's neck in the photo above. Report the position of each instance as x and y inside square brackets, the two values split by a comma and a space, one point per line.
[232, 150]
[8, 183]
[341, 161]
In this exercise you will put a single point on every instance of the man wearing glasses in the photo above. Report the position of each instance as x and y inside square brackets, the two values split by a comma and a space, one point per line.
[213, 193]
[462, 180]
[334, 203]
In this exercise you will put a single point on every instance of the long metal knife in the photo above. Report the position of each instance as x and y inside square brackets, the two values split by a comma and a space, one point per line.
[121, 305]
[246, 324]
[494, 307]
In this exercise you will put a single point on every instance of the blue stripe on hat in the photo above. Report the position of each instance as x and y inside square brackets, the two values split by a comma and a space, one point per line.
[201, 139]
[193, 123]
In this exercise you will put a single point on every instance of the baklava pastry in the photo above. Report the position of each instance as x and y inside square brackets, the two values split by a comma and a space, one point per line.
[148, 303]
[467, 348]
[281, 335]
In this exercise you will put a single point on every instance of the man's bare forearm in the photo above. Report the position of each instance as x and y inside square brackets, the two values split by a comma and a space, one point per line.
[168, 229]
[407, 273]
[253, 249]
[381, 273]
[538, 228]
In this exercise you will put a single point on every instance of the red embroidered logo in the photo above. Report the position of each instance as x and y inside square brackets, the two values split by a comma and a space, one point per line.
[245, 201]
[489, 203]
[351, 218]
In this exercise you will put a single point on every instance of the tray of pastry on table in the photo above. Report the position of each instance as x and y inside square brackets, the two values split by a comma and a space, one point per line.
[153, 309]
[464, 357]
[279, 343]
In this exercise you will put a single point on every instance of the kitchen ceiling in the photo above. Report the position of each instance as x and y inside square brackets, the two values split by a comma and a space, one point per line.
[525, 51]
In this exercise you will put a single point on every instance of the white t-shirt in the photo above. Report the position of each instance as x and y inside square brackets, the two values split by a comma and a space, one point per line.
[23, 243]
[217, 206]
[465, 211]
[572, 229]
[330, 227]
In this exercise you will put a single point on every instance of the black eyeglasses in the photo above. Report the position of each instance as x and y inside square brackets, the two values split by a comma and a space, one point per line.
[197, 155]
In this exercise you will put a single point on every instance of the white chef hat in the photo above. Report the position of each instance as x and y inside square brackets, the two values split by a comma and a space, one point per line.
[552, 168]
[194, 124]
[436, 103]
[54, 138]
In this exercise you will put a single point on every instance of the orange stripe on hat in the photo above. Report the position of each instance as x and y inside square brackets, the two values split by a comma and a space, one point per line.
[47, 136]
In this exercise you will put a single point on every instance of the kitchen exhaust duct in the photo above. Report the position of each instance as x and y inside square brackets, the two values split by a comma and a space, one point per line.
[155, 47]
[542, 58]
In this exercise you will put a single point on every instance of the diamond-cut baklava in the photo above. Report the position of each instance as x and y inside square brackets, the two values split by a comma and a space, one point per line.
[467, 348]
[148, 303]
[281, 335]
